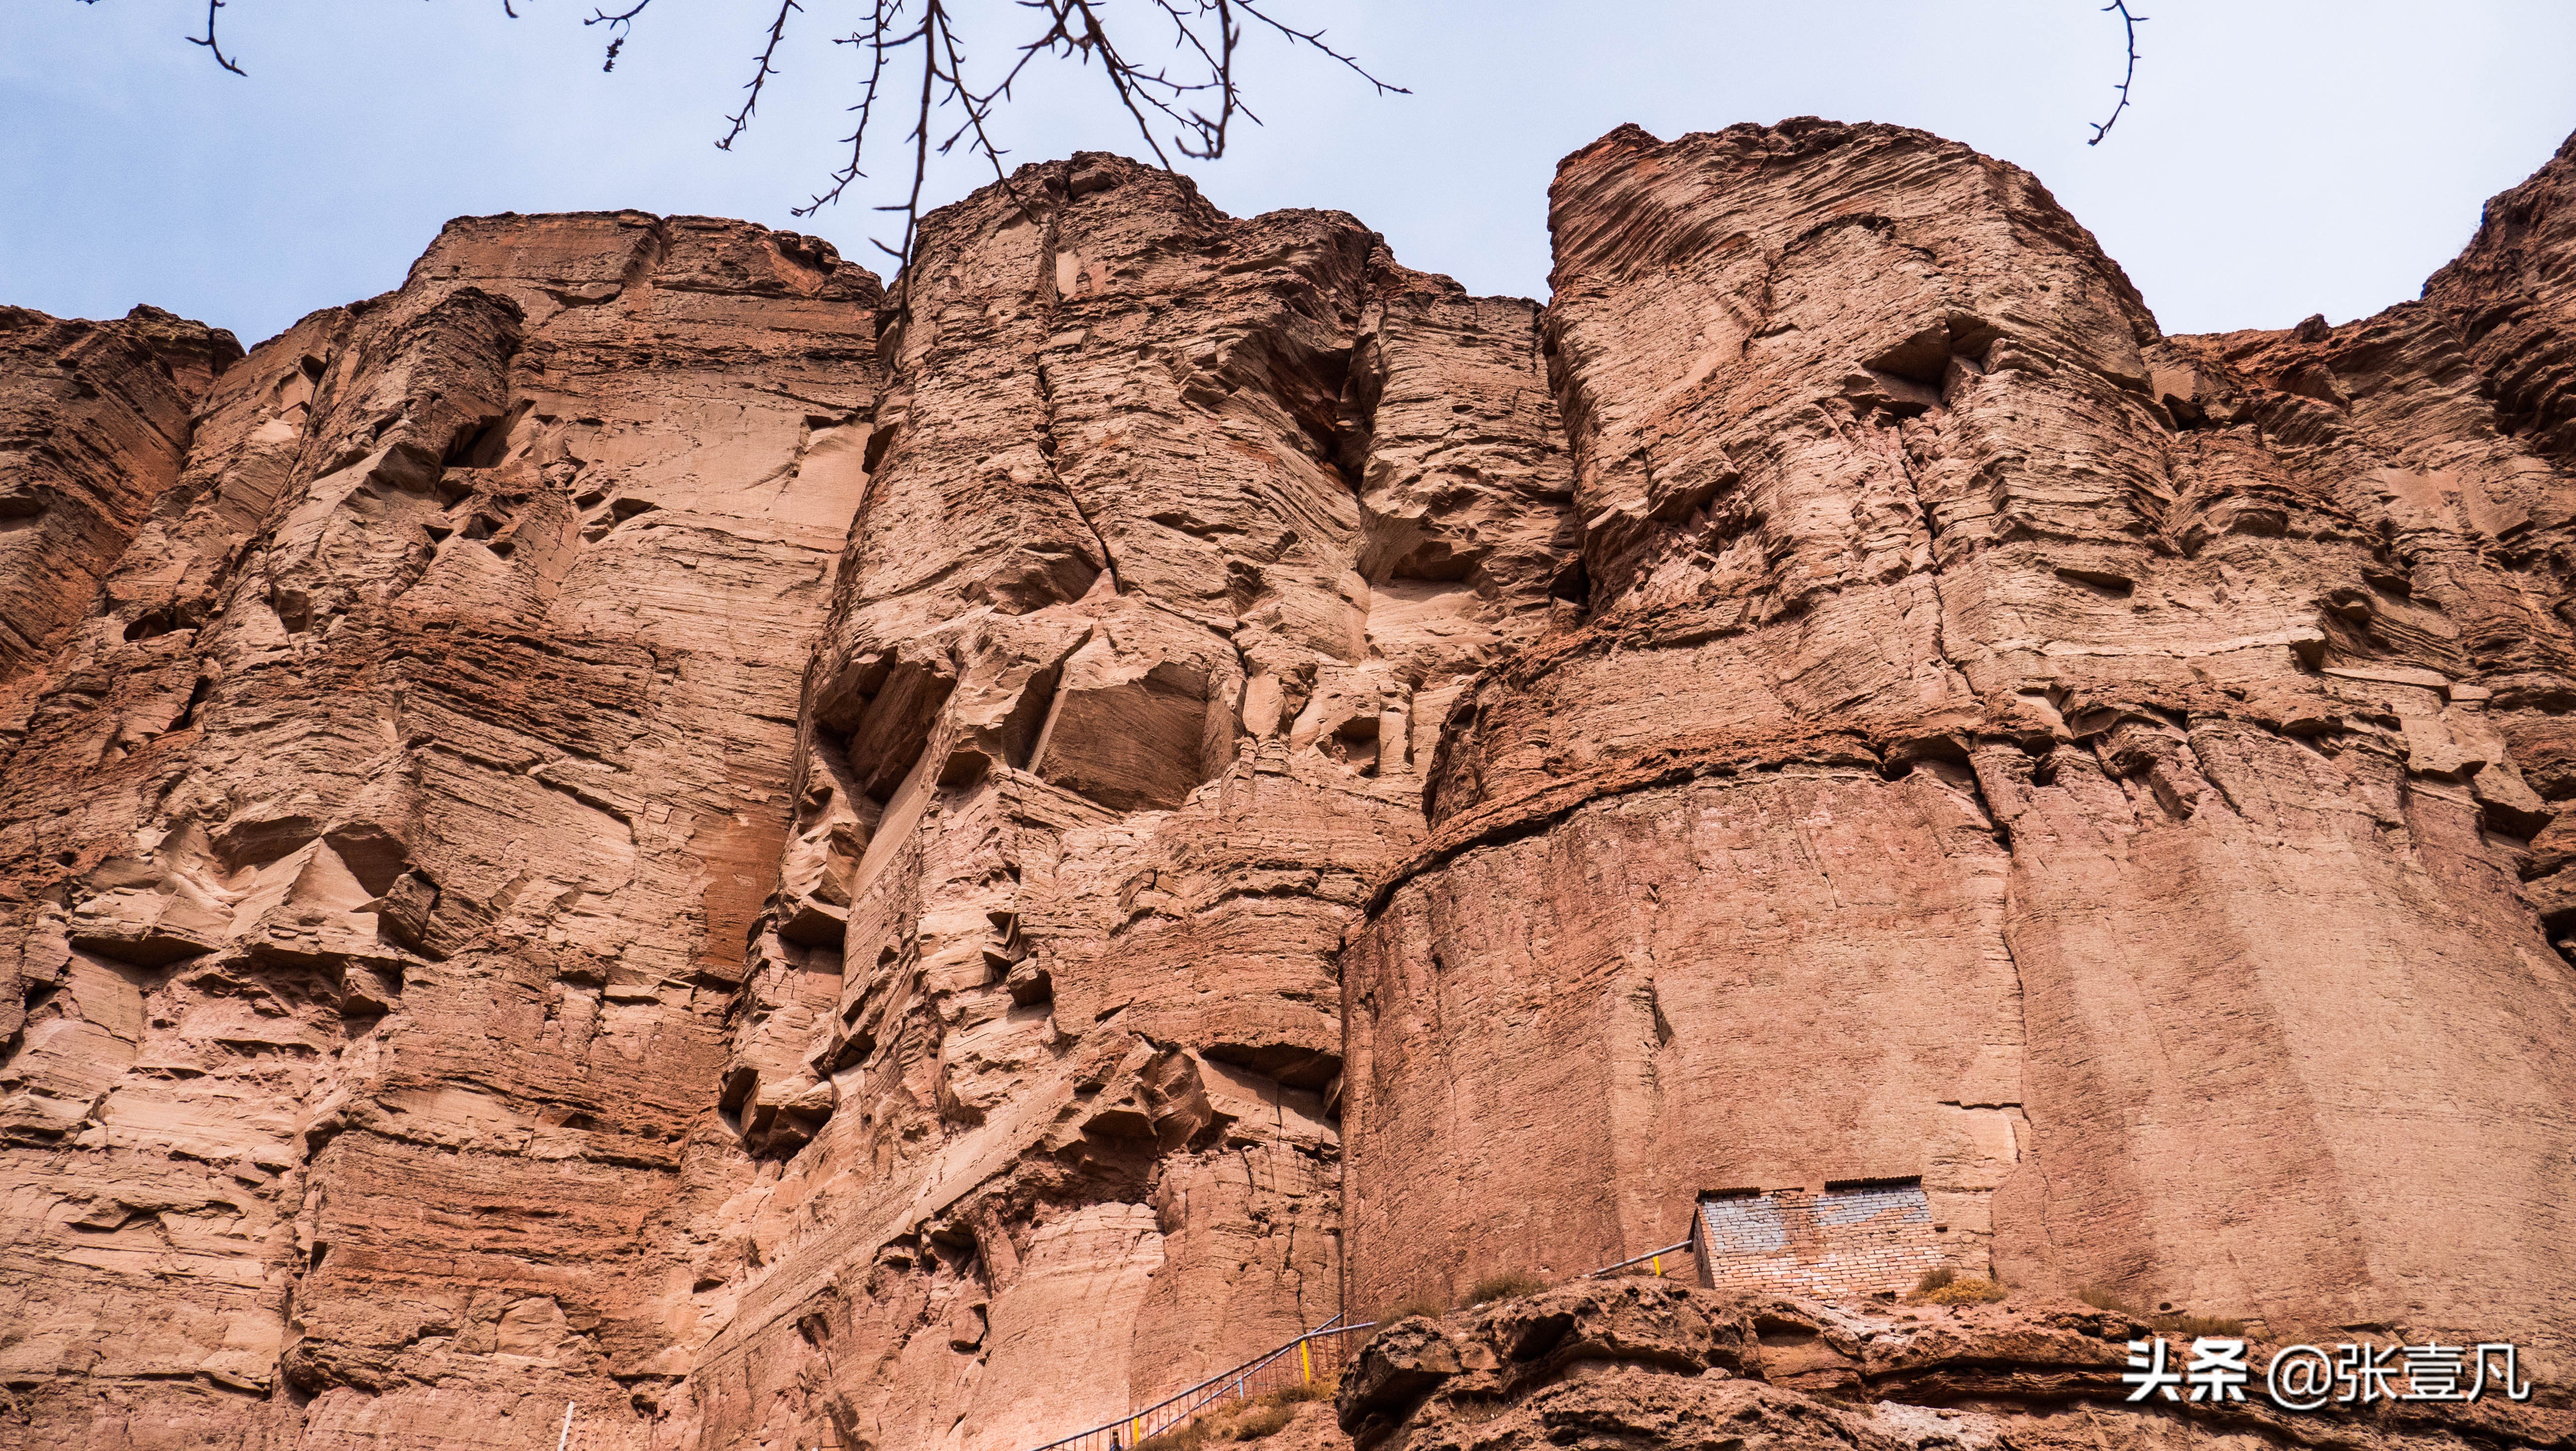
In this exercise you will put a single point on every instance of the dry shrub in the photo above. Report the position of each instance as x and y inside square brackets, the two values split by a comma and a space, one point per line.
[1934, 1279]
[1406, 1309]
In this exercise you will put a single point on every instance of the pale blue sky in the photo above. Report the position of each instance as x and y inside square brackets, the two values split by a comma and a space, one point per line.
[2283, 157]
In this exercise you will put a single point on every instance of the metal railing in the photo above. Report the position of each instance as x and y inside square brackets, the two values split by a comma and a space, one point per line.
[1653, 1259]
[1313, 1358]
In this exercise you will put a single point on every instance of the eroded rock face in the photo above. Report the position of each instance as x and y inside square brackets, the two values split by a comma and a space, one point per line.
[2009, 749]
[380, 851]
[1183, 533]
[1642, 1362]
[95, 419]
[635, 828]
[625, 837]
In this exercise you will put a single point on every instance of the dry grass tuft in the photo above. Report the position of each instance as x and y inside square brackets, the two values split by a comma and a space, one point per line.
[1318, 1391]
[1960, 1292]
[1253, 1420]
[1261, 1421]
[2103, 1297]
[1408, 1308]
[1510, 1284]
[1179, 1438]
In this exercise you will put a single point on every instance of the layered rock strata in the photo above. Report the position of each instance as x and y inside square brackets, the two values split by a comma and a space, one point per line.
[623, 838]
[95, 419]
[1182, 534]
[2089, 773]
[1639, 1362]
[637, 836]
[380, 849]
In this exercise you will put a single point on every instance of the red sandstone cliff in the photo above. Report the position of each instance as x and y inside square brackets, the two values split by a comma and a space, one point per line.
[626, 825]
[2090, 772]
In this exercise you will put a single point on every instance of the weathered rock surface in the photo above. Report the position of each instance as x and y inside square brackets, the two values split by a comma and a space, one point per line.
[95, 418]
[380, 850]
[2008, 748]
[1182, 534]
[633, 827]
[530, 926]
[1629, 1363]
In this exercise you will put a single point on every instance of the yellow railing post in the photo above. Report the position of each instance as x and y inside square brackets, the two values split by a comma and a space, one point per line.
[1305, 1365]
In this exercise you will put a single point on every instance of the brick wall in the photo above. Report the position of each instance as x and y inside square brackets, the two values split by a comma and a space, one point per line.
[1840, 1244]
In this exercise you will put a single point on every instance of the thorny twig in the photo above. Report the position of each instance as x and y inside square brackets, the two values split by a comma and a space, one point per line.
[777, 31]
[857, 140]
[2129, 24]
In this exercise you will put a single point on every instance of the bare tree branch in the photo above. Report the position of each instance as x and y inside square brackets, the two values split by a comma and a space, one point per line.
[1199, 100]
[213, 43]
[2129, 24]
[1185, 104]
[620, 25]
[930, 15]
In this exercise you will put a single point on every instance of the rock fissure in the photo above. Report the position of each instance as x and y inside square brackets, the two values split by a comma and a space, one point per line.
[643, 967]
